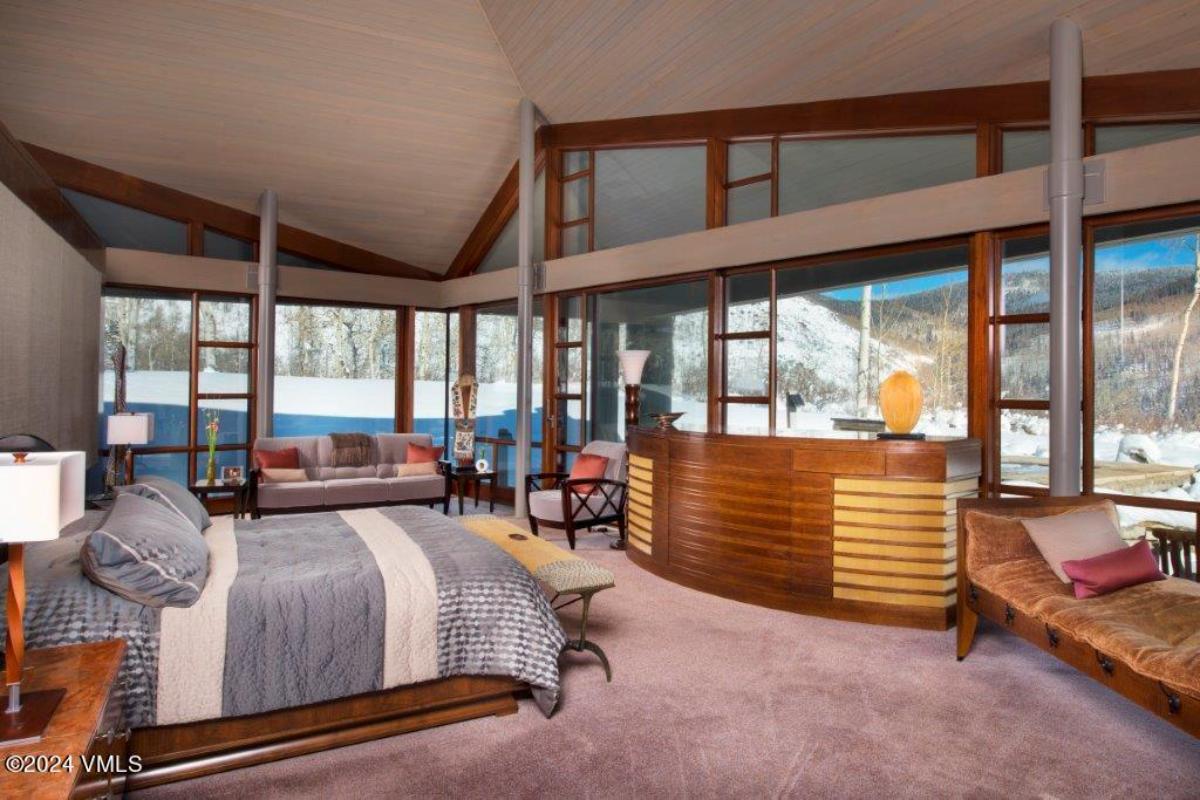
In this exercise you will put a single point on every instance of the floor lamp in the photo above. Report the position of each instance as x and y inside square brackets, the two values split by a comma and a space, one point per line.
[40, 494]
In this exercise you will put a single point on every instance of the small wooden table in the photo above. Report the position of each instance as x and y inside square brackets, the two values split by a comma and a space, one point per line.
[462, 477]
[239, 490]
[86, 722]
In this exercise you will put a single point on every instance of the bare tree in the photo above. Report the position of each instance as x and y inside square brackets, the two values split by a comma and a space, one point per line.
[1177, 363]
[864, 352]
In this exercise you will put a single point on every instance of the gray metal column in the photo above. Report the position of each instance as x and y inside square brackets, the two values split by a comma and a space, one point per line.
[268, 223]
[524, 303]
[1066, 223]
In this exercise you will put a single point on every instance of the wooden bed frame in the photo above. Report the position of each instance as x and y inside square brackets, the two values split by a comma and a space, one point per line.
[975, 602]
[178, 752]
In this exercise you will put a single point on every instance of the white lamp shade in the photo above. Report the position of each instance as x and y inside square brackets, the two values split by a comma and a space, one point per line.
[632, 364]
[130, 428]
[40, 497]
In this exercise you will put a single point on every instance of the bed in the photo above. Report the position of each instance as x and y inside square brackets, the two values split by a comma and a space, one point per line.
[311, 631]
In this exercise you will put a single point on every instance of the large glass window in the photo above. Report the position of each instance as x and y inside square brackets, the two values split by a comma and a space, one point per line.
[639, 194]
[1024, 149]
[219, 245]
[822, 172]
[750, 180]
[504, 252]
[672, 323]
[496, 373]
[132, 228]
[1120, 137]
[156, 330]
[335, 369]
[1146, 290]
[1021, 327]
[435, 368]
[844, 327]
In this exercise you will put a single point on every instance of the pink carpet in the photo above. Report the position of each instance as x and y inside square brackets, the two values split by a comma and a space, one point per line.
[712, 698]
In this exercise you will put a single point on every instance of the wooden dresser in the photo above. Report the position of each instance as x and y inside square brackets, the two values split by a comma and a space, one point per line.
[88, 721]
[838, 524]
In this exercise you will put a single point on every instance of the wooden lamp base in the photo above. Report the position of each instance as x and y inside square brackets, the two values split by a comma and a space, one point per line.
[28, 722]
[28, 725]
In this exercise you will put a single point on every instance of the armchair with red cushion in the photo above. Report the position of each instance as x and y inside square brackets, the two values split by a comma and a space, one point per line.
[593, 493]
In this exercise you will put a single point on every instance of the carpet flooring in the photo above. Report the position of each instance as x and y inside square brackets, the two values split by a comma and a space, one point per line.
[713, 698]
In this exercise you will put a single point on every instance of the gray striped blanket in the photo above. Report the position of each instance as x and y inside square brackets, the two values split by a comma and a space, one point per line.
[306, 608]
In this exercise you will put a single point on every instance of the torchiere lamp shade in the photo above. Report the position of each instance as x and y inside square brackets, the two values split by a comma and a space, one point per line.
[633, 362]
[130, 429]
[41, 496]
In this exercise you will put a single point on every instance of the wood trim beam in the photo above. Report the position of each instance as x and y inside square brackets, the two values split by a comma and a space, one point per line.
[29, 181]
[82, 176]
[1105, 97]
[497, 214]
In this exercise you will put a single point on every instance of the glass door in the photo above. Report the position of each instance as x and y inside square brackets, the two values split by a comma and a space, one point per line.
[569, 419]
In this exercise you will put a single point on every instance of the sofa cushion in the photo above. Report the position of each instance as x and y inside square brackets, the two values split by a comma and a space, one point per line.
[1027, 584]
[147, 553]
[547, 505]
[1153, 627]
[1073, 537]
[343, 491]
[291, 495]
[393, 447]
[346, 473]
[418, 487]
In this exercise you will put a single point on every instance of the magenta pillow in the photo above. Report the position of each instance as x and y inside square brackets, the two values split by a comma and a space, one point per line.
[1106, 573]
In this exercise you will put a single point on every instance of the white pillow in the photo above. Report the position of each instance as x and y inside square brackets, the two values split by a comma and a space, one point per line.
[1077, 535]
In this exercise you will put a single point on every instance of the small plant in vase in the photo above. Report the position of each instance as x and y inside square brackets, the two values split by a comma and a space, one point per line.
[211, 428]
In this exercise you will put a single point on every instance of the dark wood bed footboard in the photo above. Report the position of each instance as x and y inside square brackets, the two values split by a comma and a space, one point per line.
[974, 602]
[179, 752]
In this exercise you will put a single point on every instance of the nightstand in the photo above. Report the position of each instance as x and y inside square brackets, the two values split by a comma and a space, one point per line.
[88, 721]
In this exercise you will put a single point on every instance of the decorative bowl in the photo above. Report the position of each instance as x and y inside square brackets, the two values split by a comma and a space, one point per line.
[667, 420]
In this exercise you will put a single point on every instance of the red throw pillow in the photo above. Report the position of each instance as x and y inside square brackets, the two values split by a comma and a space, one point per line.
[419, 454]
[287, 458]
[1106, 573]
[588, 466]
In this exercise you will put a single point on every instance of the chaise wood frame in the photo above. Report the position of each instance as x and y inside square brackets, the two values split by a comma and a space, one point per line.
[172, 753]
[975, 602]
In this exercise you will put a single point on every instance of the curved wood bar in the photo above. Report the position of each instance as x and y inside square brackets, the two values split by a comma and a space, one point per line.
[838, 524]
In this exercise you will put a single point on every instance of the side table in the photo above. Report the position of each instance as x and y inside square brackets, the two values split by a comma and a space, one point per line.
[239, 490]
[462, 477]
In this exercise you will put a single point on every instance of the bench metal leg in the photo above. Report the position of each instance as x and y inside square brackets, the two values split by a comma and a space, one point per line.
[583, 644]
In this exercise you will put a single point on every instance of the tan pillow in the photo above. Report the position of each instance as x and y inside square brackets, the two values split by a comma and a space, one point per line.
[420, 468]
[280, 475]
[1069, 537]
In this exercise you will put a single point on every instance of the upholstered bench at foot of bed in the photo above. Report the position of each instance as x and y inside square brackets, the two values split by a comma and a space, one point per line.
[565, 573]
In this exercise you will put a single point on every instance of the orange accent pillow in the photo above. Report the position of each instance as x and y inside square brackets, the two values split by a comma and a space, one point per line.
[419, 454]
[588, 465]
[287, 458]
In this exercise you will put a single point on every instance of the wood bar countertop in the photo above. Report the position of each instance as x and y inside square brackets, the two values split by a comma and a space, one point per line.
[835, 523]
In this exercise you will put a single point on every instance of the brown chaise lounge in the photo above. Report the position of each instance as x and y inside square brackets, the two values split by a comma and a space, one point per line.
[1142, 641]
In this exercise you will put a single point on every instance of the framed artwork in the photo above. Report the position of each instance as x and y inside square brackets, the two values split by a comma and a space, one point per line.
[232, 474]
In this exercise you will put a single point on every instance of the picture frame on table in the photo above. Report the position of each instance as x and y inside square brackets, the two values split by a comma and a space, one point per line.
[232, 475]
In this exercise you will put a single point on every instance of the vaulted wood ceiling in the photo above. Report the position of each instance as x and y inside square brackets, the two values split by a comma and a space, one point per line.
[388, 124]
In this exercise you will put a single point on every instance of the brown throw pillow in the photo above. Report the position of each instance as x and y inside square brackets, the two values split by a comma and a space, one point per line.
[419, 468]
[284, 475]
[1073, 537]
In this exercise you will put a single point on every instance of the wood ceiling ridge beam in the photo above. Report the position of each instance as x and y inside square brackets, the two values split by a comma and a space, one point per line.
[83, 176]
[21, 173]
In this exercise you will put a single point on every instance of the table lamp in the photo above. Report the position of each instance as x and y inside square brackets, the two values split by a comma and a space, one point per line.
[40, 494]
[128, 429]
[632, 364]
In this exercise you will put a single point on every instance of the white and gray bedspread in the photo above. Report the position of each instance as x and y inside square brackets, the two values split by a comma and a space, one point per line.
[306, 608]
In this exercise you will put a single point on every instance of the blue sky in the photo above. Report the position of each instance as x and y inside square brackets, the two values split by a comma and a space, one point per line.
[1166, 252]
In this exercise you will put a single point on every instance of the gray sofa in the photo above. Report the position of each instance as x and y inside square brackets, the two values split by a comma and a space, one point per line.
[346, 487]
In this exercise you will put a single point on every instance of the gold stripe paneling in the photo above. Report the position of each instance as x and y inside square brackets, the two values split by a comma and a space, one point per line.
[639, 510]
[894, 540]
